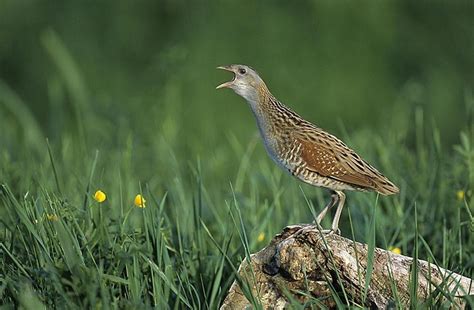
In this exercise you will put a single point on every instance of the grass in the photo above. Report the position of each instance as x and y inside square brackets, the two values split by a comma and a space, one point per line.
[205, 206]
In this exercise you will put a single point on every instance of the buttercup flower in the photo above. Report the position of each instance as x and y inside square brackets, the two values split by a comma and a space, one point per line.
[100, 196]
[139, 201]
[261, 237]
[52, 217]
[395, 250]
[460, 195]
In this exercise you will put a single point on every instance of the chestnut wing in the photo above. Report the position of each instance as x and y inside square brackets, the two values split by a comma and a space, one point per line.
[329, 157]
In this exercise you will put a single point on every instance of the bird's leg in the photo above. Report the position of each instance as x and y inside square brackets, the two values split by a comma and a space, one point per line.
[334, 199]
[335, 222]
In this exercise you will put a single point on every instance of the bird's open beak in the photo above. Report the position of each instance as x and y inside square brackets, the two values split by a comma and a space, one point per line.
[226, 84]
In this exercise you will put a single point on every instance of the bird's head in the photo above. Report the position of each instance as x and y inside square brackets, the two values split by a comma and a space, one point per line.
[245, 83]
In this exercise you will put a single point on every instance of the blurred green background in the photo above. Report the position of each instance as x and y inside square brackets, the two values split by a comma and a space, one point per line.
[151, 63]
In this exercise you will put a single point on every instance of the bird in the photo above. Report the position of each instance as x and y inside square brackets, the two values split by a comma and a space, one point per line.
[304, 150]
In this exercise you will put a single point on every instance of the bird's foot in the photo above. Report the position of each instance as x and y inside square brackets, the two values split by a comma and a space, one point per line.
[336, 231]
[331, 231]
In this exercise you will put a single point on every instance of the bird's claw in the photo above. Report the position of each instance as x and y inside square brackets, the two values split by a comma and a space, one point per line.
[336, 231]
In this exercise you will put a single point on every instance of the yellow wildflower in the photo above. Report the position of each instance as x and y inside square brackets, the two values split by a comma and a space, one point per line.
[52, 217]
[460, 195]
[395, 250]
[100, 196]
[139, 201]
[261, 237]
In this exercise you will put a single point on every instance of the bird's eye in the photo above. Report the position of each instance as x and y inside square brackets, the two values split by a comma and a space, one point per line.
[242, 71]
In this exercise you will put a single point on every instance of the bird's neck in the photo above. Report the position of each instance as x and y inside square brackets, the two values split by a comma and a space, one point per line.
[264, 106]
[261, 102]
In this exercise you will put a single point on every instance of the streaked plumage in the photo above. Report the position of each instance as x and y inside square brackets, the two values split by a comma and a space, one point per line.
[303, 149]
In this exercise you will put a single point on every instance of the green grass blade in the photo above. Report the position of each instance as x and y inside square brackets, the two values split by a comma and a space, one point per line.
[370, 249]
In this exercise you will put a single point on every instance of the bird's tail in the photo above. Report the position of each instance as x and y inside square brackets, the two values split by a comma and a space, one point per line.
[385, 187]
